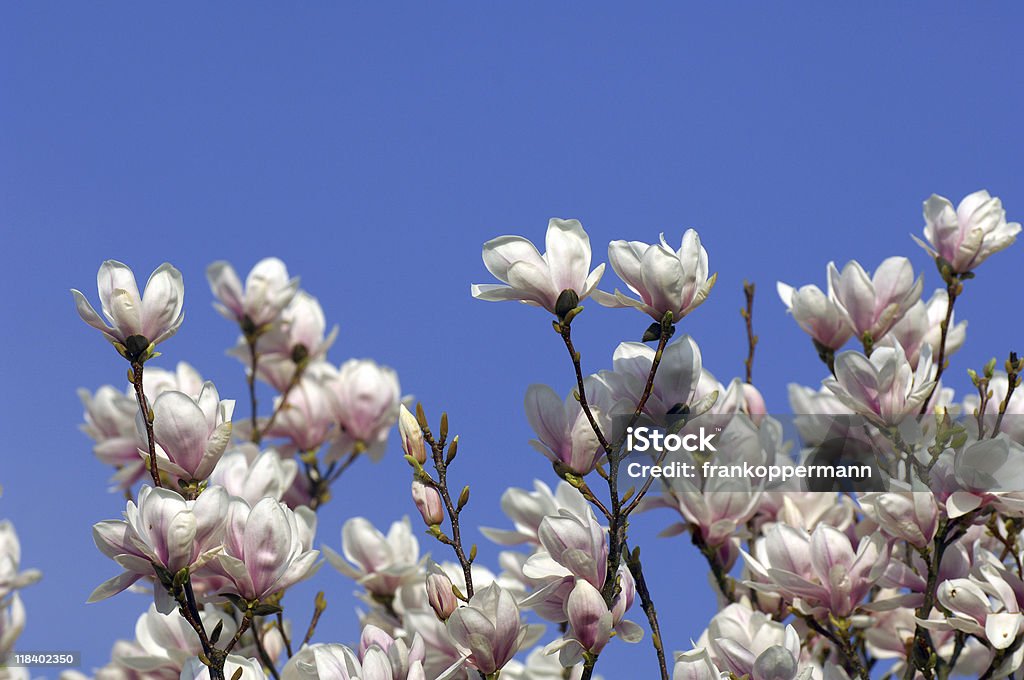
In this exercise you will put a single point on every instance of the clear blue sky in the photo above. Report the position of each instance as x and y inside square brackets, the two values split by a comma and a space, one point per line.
[374, 148]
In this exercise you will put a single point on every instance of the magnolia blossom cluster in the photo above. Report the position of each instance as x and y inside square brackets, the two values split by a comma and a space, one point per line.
[917, 575]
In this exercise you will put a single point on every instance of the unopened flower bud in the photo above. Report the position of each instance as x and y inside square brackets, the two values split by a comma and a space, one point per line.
[428, 502]
[440, 595]
[412, 435]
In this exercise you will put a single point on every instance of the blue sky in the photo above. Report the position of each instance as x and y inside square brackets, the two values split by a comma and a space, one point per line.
[375, 147]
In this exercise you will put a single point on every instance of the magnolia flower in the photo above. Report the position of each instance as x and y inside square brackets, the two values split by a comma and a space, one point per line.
[267, 291]
[908, 516]
[921, 327]
[761, 662]
[148, 319]
[573, 546]
[985, 606]
[163, 530]
[695, 665]
[267, 548]
[386, 658]
[665, 279]
[190, 434]
[819, 571]
[382, 563]
[540, 279]
[675, 383]
[323, 662]
[306, 419]
[817, 314]
[488, 629]
[527, 509]
[251, 669]
[296, 339]
[883, 387]
[967, 236]
[564, 432]
[251, 475]
[873, 305]
[590, 622]
[365, 397]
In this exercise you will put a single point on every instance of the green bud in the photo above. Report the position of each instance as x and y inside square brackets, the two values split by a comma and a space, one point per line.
[463, 497]
[217, 630]
[568, 300]
[652, 333]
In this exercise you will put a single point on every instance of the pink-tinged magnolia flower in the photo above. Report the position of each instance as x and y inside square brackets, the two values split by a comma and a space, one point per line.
[573, 546]
[489, 630]
[967, 236]
[428, 502]
[564, 433]
[819, 571]
[323, 662]
[908, 516]
[267, 548]
[675, 383]
[386, 658]
[251, 669]
[539, 279]
[268, 290]
[190, 434]
[306, 419]
[985, 606]
[772, 657]
[527, 509]
[872, 305]
[382, 563]
[666, 280]
[365, 399]
[883, 387]
[10, 562]
[920, 327]
[251, 475]
[154, 316]
[297, 337]
[590, 622]
[163, 530]
[818, 314]
[411, 434]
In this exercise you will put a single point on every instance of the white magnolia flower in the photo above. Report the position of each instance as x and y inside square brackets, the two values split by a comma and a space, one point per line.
[151, 317]
[540, 279]
[967, 236]
[666, 280]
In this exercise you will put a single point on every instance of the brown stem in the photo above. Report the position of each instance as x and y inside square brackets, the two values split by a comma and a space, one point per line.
[953, 288]
[262, 651]
[647, 604]
[250, 380]
[852, 661]
[441, 485]
[748, 317]
[140, 397]
[292, 384]
[1011, 385]
[726, 586]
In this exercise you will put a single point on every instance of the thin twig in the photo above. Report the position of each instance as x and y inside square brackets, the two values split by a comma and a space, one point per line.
[647, 604]
[140, 397]
[748, 317]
